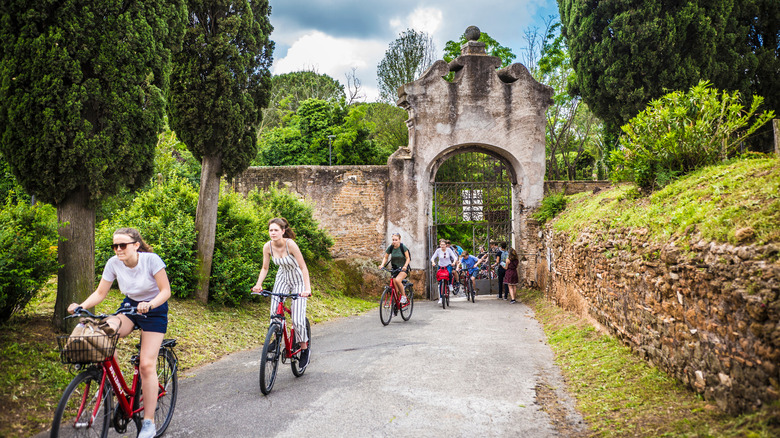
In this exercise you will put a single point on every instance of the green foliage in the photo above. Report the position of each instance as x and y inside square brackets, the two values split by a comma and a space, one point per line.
[221, 80]
[238, 252]
[9, 187]
[407, 58]
[288, 90]
[389, 127]
[28, 253]
[627, 53]
[714, 202]
[315, 243]
[681, 132]
[551, 206]
[82, 95]
[303, 137]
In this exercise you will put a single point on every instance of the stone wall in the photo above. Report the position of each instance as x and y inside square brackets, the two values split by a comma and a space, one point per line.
[349, 201]
[572, 187]
[704, 312]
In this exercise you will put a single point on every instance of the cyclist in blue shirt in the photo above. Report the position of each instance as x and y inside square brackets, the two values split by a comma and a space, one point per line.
[471, 264]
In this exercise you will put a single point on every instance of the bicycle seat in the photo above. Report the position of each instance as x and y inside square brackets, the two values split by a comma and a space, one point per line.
[405, 282]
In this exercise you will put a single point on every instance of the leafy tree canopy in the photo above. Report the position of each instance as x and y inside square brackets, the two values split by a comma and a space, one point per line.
[407, 58]
[628, 52]
[288, 90]
[82, 92]
[303, 137]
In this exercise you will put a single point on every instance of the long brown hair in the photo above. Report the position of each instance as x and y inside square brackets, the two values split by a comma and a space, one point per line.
[135, 235]
[513, 254]
[284, 225]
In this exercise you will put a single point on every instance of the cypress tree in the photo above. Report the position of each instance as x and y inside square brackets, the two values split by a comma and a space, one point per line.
[219, 84]
[82, 88]
[628, 52]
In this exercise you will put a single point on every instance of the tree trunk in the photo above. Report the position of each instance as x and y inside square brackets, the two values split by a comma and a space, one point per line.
[75, 253]
[206, 221]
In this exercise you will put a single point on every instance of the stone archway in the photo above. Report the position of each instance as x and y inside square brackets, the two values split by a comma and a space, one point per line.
[499, 111]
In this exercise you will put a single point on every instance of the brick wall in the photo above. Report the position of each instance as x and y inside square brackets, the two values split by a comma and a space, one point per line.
[349, 201]
[707, 314]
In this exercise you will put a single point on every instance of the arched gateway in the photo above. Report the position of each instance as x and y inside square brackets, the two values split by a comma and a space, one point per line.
[499, 112]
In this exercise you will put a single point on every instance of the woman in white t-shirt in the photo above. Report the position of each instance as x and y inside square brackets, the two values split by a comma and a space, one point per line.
[141, 276]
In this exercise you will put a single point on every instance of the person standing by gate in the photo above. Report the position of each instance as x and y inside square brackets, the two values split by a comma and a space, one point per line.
[501, 259]
[511, 278]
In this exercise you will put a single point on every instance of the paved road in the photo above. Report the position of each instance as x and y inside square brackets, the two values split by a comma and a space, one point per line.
[473, 369]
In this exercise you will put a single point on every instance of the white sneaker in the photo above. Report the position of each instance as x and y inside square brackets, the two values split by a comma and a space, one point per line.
[147, 430]
[403, 299]
[439, 301]
[450, 288]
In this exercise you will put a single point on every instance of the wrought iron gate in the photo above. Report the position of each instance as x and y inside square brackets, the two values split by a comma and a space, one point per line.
[471, 214]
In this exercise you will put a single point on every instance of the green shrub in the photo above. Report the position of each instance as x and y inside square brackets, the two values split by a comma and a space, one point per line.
[681, 132]
[314, 242]
[551, 206]
[238, 250]
[28, 253]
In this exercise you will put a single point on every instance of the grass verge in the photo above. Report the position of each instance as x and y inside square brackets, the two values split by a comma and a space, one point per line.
[32, 378]
[621, 395]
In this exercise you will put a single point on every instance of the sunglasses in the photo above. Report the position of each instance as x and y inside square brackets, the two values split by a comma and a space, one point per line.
[121, 246]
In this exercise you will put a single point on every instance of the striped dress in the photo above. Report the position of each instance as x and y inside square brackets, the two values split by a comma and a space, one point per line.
[289, 279]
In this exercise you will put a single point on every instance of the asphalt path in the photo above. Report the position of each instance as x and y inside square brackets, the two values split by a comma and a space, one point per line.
[474, 369]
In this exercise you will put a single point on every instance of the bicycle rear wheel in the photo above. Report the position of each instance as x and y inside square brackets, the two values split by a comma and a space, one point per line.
[168, 378]
[406, 311]
[83, 399]
[386, 306]
[269, 362]
[296, 370]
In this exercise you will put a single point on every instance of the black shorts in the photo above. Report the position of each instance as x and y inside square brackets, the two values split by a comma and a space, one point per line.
[155, 320]
[395, 274]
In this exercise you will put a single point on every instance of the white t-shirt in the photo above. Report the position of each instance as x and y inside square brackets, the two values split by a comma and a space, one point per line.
[446, 257]
[138, 282]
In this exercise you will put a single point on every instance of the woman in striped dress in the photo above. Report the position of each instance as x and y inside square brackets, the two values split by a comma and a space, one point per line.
[292, 277]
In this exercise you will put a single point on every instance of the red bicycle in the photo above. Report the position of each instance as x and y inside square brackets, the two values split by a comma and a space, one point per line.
[87, 405]
[390, 303]
[443, 277]
[280, 333]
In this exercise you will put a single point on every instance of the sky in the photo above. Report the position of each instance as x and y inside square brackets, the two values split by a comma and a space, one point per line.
[334, 36]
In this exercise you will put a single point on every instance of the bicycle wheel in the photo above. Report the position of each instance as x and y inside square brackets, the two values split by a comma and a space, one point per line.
[298, 372]
[386, 306]
[84, 408]
[406, 311]
[168, 376]
[442, 287]
[269, 362]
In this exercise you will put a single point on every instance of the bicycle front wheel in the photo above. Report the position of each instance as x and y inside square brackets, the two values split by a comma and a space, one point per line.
[296, 370]
[406, 310]
[84, 408]
[386, 306]
[269, 362]
[442, 292]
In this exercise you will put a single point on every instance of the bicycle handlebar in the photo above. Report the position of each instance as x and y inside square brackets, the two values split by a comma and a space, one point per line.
[127, 309]
[392, 271]
[268, 293]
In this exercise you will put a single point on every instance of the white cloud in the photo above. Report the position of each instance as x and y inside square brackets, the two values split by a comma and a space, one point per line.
[425, 19]
[335, 57]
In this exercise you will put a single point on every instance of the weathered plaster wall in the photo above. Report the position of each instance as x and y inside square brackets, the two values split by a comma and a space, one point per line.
[349, 201]
[708, 315]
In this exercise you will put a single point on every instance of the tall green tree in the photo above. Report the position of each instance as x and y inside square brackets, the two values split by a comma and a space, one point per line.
[82, 87]
[407, 58]
[288, 90]
[628, 52]
[220, 83]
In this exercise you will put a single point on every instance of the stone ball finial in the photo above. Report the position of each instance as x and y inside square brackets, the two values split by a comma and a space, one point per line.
[472, 33]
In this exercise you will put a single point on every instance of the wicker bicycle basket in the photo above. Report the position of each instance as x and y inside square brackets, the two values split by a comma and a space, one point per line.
[86, 349]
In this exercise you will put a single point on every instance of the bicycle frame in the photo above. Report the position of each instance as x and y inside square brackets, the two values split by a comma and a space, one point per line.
[288, 336]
